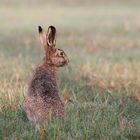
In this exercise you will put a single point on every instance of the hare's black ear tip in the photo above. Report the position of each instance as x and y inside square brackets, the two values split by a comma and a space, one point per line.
[52, 27]
[39, 29]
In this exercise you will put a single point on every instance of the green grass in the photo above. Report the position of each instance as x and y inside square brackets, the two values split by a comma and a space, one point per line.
[101, 84]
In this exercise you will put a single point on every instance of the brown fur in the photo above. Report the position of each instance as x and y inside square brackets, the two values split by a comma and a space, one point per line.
[43, 100]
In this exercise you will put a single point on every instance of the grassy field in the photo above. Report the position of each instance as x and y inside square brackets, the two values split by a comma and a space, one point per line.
[101, 86]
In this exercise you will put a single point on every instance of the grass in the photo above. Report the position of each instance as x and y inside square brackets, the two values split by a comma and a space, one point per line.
[101, 84]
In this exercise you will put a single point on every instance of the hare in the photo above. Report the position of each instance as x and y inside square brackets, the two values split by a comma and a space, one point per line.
[43, 100]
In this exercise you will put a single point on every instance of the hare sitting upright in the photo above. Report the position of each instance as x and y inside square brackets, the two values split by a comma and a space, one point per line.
[43, 100]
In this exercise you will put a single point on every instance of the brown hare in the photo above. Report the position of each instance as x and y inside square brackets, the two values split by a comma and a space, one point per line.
[43, 100]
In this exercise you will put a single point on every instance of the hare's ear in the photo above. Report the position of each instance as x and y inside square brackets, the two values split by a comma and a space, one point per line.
[51, 36]
[42, 36]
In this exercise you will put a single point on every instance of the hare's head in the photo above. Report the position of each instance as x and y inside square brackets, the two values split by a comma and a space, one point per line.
[53, 56]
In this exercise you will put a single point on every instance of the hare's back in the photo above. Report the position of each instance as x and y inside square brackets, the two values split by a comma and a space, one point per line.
[43, 100]
[43, 84]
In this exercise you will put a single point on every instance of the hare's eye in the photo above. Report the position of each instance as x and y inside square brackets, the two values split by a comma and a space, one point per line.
[61, 53]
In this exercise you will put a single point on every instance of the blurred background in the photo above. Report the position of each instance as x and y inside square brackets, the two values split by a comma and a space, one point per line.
[101, 85]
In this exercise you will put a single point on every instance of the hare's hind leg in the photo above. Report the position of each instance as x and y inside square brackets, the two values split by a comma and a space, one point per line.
[42, 132]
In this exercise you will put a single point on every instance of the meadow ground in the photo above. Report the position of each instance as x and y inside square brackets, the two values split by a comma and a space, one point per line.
[101, 86]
